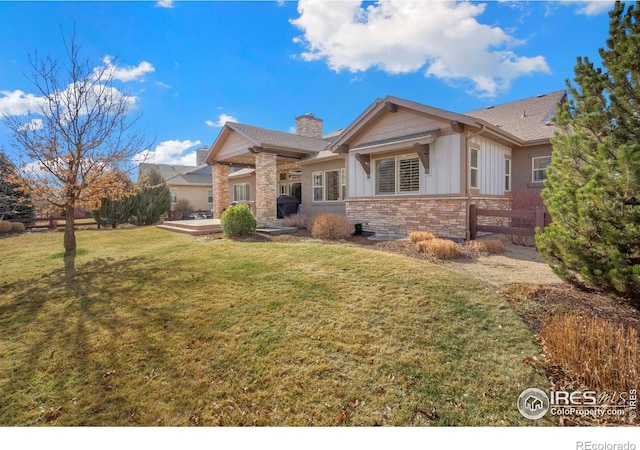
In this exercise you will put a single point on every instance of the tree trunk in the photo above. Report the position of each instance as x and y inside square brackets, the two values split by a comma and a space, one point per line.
[69, 232]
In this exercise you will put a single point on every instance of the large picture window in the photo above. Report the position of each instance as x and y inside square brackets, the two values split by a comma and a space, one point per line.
[398, 175]
[332, 185]
[539, 168]
[241, 192]
[329, 186]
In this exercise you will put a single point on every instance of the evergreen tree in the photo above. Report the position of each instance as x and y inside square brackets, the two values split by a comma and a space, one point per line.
[14, 203]
[118, 210]
[153, 199]
[592, 189]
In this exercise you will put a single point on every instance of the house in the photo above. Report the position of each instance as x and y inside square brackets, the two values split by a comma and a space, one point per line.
[400, 166]
[192, 183]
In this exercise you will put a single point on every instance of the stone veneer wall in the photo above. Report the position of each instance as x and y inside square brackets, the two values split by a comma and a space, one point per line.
[445, 216]
[220, 179]
[266, 189]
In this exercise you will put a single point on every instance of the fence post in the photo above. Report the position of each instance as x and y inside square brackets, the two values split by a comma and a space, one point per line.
[473, 222]
[540, 216]
[51, 223]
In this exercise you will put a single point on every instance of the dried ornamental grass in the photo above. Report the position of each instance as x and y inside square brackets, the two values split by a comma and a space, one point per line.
[440, 248]
[603, 355]
[5, 226]
[419, 236]
[17, 226]
[332, 226]
[295, 220]
[491, 246]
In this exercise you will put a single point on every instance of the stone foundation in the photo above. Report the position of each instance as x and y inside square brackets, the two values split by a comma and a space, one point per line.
[444, 217]
[495, 203]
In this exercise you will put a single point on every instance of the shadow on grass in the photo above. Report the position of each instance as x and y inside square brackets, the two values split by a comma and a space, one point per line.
[71, 338]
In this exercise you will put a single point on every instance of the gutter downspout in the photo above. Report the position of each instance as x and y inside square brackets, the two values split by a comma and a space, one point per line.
[467, 193]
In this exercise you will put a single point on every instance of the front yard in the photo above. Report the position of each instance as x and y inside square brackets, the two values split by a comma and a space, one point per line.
[157, 328]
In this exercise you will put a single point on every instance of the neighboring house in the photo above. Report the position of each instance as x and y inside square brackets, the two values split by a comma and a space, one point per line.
[399, 167]
[192, 183]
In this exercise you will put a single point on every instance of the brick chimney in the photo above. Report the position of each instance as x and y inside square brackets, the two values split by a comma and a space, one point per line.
[201, 155]
[309, 125]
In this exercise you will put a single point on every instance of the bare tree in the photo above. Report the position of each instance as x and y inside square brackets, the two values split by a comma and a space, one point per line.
[80, 134]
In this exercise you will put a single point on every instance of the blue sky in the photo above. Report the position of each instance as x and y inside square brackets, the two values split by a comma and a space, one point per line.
[193, 65]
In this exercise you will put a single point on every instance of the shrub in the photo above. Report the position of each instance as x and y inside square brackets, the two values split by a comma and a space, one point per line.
[183, 206]
[295, 220]
[418, 236]
[332, 226]
[603, 355]
[17, 227]
[238, 220]
[491, 246]
[5, 226]
[440, 248]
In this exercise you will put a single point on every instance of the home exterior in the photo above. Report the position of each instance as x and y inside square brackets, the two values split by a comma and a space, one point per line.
[399, 167]
[192, 183]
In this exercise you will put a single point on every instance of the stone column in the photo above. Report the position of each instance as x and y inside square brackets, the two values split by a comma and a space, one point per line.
[266, 189]
[220, 178]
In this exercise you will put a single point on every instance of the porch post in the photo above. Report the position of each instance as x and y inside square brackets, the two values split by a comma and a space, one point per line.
[266, 189]
[220, 175]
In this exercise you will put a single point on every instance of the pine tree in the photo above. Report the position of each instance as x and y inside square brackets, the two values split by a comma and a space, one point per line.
[116, 211]
[14, 203]
[592, 189]
[153, 199]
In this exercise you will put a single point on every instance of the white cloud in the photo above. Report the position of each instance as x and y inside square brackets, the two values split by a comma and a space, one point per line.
[222, 119]
[128, 73]
[164, 4]
[163, 85]
[17, 103]
[593, 8]
[170, 152]
[444, 39]
[34, 124]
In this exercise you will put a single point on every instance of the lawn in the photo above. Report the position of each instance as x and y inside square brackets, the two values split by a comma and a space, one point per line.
[157, 328]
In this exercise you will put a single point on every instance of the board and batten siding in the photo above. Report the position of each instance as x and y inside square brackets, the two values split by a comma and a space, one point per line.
[491, 166]
[443, 177]
[234, 146]
[399, 124]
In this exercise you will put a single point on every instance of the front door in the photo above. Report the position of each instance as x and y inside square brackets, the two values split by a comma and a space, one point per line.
[295, 189]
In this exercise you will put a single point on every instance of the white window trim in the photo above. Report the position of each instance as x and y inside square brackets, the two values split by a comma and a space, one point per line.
[476, 168]
[246, 191]
[508, 188]
[283, 188]
[323, 173]
[533, 169]
[397, 158]
[174, 195]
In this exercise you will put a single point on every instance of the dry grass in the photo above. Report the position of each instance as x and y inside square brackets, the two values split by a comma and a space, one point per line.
[5, 226]
[604, 356]
[157, 328]
[440, 248]
[296, 220]
[419, 236]
[17, 227]
[332, 226]
[490, 246]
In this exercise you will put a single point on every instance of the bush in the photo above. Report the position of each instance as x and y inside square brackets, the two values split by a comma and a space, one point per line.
[295, 220]
[604, 356]
[183, 206]
[332, 226]
[440, 248]
[5, 226]
[418, 236]
[491, 246]
[17, 227]
[238, 220]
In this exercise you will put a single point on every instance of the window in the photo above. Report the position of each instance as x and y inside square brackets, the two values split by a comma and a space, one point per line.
[539, 168]
[241, 192]
[282, 176]
[473, 168]
[283, 189]
[318, 191]
[210, 196]
[332, 185]
[398, 175]
[507, 174]
[174, 195]
[329, 186]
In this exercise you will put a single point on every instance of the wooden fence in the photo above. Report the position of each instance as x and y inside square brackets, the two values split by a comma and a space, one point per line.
[527, 221]
[53, 223]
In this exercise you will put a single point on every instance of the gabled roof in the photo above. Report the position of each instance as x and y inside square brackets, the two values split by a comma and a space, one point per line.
[528, 119]
[166, 170]
[177, 174]
[264, 137]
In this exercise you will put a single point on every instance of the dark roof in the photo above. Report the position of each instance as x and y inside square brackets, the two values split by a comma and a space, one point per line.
[177, 174]
[272, 138]
[528, 119]
[166, 170]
